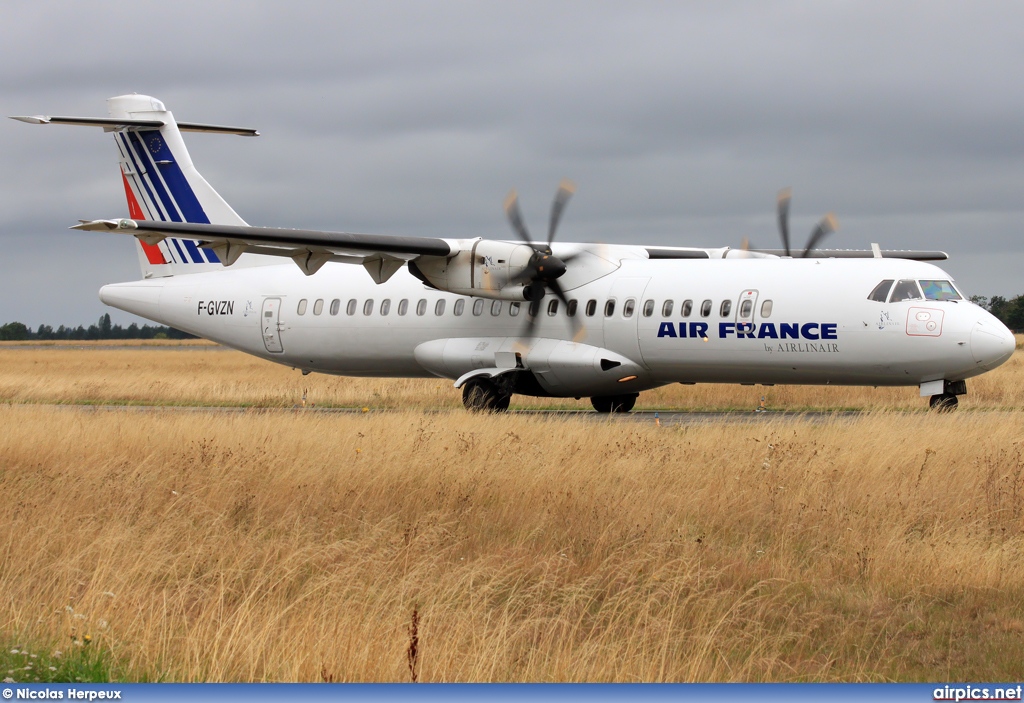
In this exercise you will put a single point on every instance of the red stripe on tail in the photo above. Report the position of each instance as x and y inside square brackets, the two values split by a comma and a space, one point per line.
[153, 253]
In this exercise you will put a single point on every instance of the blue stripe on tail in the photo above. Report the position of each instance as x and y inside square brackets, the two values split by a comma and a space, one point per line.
[151, 143]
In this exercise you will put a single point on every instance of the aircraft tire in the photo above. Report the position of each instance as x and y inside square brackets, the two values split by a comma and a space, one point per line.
[944, 403]
[614, 403]
[482, 395]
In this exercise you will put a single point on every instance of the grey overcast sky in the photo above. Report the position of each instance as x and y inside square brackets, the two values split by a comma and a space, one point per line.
[678, 121]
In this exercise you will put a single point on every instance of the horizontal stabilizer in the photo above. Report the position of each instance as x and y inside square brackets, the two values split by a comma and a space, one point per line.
[111, 124]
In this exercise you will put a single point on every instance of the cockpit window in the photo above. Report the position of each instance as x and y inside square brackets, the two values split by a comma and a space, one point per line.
[881, 291]
[939, 290]
[905, 290]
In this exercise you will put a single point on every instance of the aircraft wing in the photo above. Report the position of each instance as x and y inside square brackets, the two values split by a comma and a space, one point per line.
[729, 253]
[912, 255]
[382, 255]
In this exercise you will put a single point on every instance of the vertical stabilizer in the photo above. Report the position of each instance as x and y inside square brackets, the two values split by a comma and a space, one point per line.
[162, 184]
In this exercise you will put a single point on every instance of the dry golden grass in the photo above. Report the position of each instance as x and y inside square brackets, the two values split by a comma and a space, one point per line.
[283, 546]
[106, 343]
[204, 375]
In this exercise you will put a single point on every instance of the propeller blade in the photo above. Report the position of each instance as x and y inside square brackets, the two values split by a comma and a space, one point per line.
[565, 190]
[515, 218]
[577, 326]
[524, 276]
[785, 195]
[531, 322]
[827, 226]
[556, 288]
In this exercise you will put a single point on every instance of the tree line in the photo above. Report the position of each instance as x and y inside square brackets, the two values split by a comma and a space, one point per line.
[1010, 312]
[103, 329]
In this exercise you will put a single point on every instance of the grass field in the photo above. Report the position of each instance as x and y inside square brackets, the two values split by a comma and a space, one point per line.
[297, 547]
[200, 374]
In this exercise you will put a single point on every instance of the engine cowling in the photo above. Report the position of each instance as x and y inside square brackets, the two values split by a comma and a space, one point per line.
[484, 268]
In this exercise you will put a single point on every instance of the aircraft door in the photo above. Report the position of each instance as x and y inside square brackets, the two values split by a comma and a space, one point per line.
[621, 332]
[746, 311]
[271, 321]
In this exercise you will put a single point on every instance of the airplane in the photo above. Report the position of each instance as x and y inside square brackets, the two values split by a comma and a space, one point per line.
[554, 319]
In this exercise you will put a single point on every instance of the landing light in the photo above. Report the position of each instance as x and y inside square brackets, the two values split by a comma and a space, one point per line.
[627, 378]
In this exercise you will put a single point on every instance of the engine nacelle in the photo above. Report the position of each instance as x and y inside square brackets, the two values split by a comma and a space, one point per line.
[482, 267]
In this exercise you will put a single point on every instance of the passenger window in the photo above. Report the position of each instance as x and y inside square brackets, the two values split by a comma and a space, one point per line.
[705, 308]
[881, 291]
[513, 309]
[350, 308]
[368, 307]
[570, 309]
[421, 307]
[905, 290]
[939, 290]
[478, 306]
[687, 308]
[553, 308]
[666, 308]
[725, 308]
[534, 308]
[648, 308]
[439, 307]
[591, 308]
[628, 307]
[403, 306]
[459, 306]
[335, 306]
[746, 307]
[385, 306]
[609, 308]
[318, 306]
[766, 308]
[496, 308]
[302, 307]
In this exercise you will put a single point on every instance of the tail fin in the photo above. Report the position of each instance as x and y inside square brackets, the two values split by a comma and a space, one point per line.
[161, 183]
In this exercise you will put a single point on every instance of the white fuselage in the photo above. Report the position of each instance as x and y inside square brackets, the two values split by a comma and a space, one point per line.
[821, 327]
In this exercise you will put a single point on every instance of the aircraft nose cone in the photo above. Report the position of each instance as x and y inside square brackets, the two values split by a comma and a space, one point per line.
[992, 344]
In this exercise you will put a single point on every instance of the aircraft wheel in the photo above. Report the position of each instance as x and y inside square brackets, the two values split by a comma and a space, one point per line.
[482, 395]
[944, 403]
[614, 403]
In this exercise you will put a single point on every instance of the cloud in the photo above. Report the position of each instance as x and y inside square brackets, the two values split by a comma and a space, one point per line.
[679, 122]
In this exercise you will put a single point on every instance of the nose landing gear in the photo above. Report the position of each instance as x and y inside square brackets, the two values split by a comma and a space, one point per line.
[943, 403]
[943, 394]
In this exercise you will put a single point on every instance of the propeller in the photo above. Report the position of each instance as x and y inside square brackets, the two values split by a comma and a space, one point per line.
[544, 268]
[827, 226]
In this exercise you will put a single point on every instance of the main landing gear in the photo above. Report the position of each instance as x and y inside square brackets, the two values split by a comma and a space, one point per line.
[614, 403]
[484, 395]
